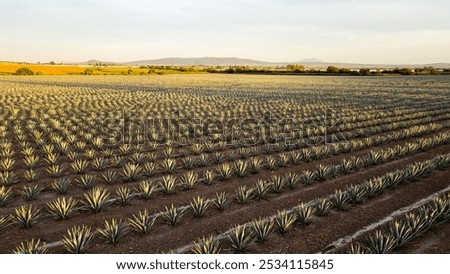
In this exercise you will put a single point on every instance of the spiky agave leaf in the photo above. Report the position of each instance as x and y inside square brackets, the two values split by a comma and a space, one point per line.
[124, 195]
[379, 243]
[142, 222]
[97, 199]
[30, 192]
[5, 221]
[243, 194]
[206, 245]
[173, 215]
[168, 184]
[198, 206]
[61, 185]
[240, 238]
[188, 180]
[146, 190]
[284, 221]
[5, 195]
[35, 246]
[114, 230]
[262, 229]
[305, 214]
[261, 188]
[339, 199]
[220, 200]
[78, 239]
[26, 216]
[62, 208]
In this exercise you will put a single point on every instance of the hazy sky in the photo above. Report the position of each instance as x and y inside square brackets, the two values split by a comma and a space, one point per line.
[386, 31]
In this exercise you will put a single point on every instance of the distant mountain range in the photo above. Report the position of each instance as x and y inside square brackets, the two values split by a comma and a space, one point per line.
[230, 61]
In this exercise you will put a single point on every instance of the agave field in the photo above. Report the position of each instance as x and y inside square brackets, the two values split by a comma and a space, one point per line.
[224, 164]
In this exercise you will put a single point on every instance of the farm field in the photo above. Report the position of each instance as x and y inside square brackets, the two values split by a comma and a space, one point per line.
[224, 164]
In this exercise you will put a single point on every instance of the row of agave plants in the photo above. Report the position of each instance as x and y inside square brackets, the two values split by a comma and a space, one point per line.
[114, 230]
[169, 184]
[81, 131]
[109, 159]
[241, 237]
[73, 148]
[403, 230]
[69, 143]
[96, 199]
[134, 171]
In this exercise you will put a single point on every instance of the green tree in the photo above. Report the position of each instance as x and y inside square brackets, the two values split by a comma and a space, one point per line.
[24, 71]
[332, 69]
[364, 71]
[295, 68]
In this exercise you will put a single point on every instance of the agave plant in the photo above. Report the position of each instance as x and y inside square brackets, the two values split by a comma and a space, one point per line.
[55, 170]
[225, 171]
[198, 206]
[137, 158]
[31, 161]
[79, 166]
[241, 168]
[87, 181]
[97, 199]
[169, 165]
[114, 230]
[188, 180]
[243, 194]
[124, 195]
[142, 222]
[167, 184]
[78, 239]
[7, 164]
[217, 157]
[255, 165]
[173, 214]
[240, 238]
[291, 180]
[131, 172]
[189, 163]
[308, 177]
[99, 163]
[400, 231]
[220, 200]
[305, 214]
[62, 208]
[261, 188]
[277, 183]
[271, 163]
[150, 169]
[26, 216]
[35, 246]
[4, 221]
[203, 160]
[61, 185]
[283, 221]
[206, 245]
[356, 249]
[5, 195]
[30, 192]
[379, 243]
[209, 177]
[30, 175]
[356, 193]
[339, 199]
[323, 172]
[146, 190]
[262, 229]
[323, 206]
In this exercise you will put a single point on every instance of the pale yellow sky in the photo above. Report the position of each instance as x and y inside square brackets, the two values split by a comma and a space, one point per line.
[362, 31]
